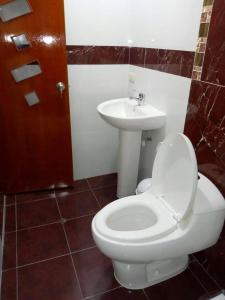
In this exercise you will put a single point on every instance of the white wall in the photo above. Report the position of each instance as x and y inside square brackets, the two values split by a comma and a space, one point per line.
[169, 93]
[165, 24]
[94, 142]
[97, 22]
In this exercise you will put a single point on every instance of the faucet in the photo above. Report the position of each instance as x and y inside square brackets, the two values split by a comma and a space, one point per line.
[140, 99]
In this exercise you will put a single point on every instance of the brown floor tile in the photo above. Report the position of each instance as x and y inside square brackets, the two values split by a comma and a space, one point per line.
[106, 195]
[77, 205]
[209, 284]
[39, 195]
[183, 286]
[213, 260]
[103, 181]
[37, 213]
[1, 219]
[8, 291]
[9, 257]
[79, 233]
[78, 186]
[10, 199]
[10, 224]
[95, 272]
[50, 280]
[41, 243]
[121, 294]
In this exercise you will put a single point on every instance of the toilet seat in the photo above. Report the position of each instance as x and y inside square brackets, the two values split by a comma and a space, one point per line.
[170, 199]
[174, 175]
[164, 221]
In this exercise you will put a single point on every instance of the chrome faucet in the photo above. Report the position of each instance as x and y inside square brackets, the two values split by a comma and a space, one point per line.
[140, 99]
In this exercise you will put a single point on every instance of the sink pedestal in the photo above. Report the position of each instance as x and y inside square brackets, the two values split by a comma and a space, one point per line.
[128, 162]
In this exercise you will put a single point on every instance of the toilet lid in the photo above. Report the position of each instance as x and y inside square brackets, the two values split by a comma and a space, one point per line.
[174, 178]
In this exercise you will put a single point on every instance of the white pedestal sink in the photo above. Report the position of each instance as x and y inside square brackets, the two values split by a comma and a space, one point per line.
[130, 119]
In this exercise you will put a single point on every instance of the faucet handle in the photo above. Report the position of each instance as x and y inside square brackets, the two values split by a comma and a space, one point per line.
[141, 96]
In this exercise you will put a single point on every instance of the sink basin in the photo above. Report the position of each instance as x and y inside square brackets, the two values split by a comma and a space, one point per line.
[130, 119]
[126, 115]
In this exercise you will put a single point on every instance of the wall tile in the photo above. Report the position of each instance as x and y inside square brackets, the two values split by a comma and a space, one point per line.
[205, 126]
[214, 63]
[170, 61]
[137, 56]
[95, 55]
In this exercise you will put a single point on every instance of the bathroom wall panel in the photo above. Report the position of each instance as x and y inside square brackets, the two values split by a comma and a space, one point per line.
[165, 24]
[94, 55]
[214, 61]
[169, 61]
[205, 120]
[94, 142]
[168, 93]
[205, 125]
[97, 22]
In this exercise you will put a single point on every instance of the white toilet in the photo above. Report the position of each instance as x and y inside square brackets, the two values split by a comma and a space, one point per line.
[149, 236]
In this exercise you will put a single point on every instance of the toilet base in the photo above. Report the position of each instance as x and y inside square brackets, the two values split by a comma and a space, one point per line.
[139, 276]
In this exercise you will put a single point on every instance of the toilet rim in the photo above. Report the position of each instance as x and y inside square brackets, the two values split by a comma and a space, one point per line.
[164, 225]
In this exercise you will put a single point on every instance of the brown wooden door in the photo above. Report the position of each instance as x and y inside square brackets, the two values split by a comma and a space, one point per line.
[35, 141]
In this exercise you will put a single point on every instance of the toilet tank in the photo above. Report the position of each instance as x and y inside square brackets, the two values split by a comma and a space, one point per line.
[208, 197]
[208, 214]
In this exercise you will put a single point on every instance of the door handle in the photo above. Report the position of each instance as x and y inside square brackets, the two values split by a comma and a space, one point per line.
[60, 87]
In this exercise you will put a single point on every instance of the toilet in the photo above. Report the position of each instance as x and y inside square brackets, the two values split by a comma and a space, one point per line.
[149, 236]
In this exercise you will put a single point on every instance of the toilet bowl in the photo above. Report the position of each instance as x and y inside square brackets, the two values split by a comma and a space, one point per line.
[149, 236]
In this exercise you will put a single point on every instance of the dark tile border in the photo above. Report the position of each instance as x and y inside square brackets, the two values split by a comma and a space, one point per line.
[97, 55]
[175, 62]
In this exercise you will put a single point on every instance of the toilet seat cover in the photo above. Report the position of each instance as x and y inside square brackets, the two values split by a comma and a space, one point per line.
[174, 178]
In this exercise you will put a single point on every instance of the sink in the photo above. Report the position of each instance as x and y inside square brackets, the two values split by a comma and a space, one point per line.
[130, 119]
[126, 115]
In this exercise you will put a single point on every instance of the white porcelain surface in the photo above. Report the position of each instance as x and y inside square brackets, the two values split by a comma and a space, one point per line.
[125, 114]
[128, 162]
[168, 93]
[94, 142]
[174, 175]
[140, 256]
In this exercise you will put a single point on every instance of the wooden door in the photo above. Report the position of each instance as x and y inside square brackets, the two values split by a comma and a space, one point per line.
[35, 141]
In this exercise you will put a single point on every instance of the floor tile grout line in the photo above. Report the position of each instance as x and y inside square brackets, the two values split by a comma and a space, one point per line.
[208, 274]
[198, 280]
[17, 279]
[40, 261]
[83, 250]
[103, 293]
[146, 295]
[93, 193]
[51, 223]
[50, 258]
[35, 200]
[71, 258]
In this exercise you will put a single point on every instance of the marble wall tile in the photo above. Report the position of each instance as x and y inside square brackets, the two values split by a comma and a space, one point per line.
[170, 61]
[214, 62]
[95, 55]
[137, 56]
[205, 126]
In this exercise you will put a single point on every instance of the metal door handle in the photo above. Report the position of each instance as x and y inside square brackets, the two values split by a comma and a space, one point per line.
[60, 87]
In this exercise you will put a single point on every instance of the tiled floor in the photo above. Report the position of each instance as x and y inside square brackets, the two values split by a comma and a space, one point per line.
[50, 253]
